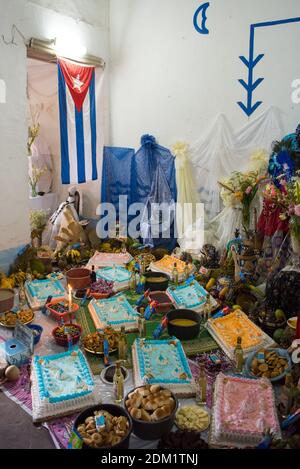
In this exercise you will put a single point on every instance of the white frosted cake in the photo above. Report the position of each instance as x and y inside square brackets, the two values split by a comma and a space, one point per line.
[225, 330]
[192, 296]
[114, 312]
[61, 384]
[38, 291]
[243, 410]
[162, 362]
[108, 259]
[119, 276]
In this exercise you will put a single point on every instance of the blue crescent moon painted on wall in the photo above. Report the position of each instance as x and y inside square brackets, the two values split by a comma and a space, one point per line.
[202, 9]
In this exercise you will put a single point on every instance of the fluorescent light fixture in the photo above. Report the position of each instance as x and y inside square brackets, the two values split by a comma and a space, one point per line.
[69, 48]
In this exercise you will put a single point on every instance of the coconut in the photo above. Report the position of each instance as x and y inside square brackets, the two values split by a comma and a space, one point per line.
[12, 373]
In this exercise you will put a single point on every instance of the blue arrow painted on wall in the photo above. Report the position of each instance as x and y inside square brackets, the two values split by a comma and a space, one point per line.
[250, 86]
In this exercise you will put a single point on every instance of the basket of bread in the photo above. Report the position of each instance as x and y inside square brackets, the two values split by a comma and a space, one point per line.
[152, 409]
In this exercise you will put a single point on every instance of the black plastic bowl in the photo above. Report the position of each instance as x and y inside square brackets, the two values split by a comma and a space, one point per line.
[114, 410]
[153, 430]
[183, 332]
[156, 286]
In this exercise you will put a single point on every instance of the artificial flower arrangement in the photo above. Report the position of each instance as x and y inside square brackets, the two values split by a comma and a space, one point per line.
[286, 195]
[240, 190]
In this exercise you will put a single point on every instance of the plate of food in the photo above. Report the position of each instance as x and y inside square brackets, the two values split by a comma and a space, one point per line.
[292, 322]
[10, 318]
[271, 363]
[192, 418]
[93, 343]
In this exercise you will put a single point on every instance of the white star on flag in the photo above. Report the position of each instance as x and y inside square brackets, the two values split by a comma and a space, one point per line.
[77, 84]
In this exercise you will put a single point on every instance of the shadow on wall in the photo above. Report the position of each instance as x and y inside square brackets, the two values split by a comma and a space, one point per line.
[7, 258]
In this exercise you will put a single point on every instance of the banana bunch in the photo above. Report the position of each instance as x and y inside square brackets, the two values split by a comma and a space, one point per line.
[7, 282]
[18, 278]
[73, 255]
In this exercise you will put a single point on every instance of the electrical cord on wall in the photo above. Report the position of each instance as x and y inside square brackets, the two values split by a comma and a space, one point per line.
[14, 30]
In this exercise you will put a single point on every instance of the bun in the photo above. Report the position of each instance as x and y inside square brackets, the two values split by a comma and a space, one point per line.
[145, 416]
[155, 388]
[136, 413]
[161, 413]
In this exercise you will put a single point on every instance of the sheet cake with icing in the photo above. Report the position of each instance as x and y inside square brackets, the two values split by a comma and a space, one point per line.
[108, 259]
[192, 296]
[61, 384]
[243, 409]
[166, 266]
[114, 312]
[119, 276]
[225, 330]
[162, 362]
[38, 291]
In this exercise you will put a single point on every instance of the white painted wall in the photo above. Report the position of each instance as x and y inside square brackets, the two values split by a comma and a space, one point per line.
[170, 81]
[34, 21]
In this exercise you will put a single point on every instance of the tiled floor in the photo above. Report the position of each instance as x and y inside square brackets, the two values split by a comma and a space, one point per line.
[17, 430]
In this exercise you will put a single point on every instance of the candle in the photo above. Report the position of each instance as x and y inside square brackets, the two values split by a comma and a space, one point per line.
[70, 299]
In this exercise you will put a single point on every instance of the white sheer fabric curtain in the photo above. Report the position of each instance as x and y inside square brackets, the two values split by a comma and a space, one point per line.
[222, 150]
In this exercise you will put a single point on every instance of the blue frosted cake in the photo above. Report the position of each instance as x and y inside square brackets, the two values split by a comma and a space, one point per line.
[38, 291]
[114, 312]
[192, 296]
[118, 275]
[61, 384]
[162, 362]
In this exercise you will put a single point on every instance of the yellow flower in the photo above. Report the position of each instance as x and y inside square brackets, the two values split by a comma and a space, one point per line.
[282, 217]
[239, 195]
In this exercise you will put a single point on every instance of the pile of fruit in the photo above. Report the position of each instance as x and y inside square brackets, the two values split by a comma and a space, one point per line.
[102, 287]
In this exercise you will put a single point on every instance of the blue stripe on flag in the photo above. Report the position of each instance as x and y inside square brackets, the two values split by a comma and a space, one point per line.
[93, 127]
[64, 143]
[80, 145]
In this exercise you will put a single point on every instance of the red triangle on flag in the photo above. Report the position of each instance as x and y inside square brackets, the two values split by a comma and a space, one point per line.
[78, 79]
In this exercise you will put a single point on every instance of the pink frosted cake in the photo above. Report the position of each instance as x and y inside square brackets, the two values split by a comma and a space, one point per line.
[243, 409]
[108, 259]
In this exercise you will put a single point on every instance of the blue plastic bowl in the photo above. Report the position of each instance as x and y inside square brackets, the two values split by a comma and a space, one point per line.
[39, 331]
[281, 352]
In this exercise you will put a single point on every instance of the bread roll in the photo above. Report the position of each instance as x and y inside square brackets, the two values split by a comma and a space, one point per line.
[161, 413]
[136, 413]
[155, 388]
[151, 404]
[145, 416]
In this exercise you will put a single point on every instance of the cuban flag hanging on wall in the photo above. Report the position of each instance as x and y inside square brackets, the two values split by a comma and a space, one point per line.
[78, 134]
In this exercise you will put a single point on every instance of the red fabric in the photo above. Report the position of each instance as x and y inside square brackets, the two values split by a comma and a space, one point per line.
[78, 79]
[269, 221]
[298, 326]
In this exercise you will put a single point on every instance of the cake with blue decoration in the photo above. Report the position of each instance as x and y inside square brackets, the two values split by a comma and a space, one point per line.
[192, 296]
[38, 291]
[61, 384]
[114, 312]
[119, 276]
[162, 362]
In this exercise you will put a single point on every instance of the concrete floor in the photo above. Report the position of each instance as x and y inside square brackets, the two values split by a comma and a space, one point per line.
[17, 430]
